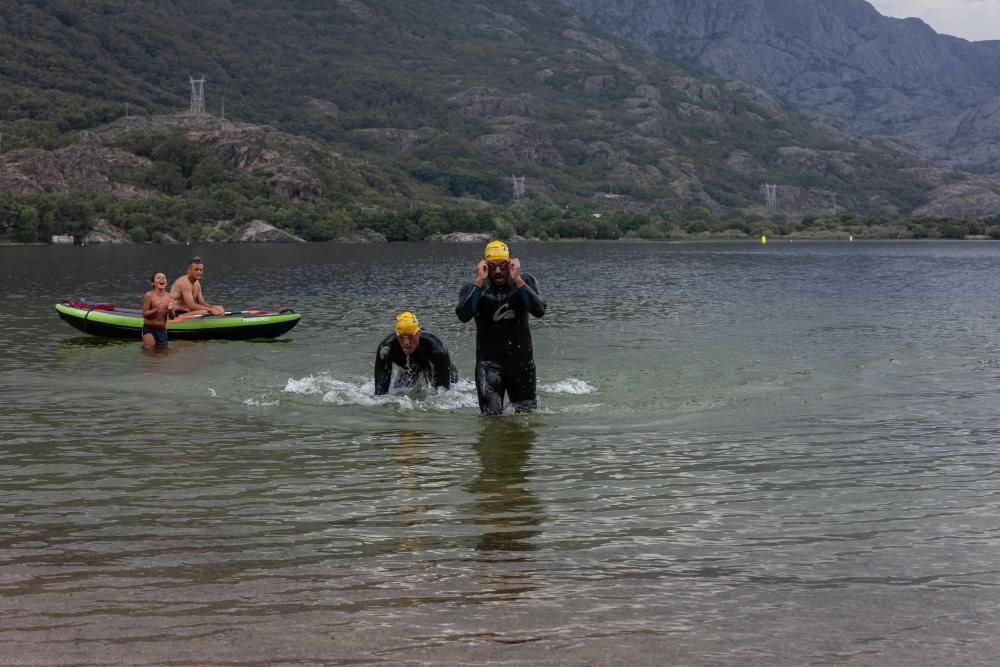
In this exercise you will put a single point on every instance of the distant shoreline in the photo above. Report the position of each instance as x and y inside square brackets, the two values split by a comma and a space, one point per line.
[770, 239]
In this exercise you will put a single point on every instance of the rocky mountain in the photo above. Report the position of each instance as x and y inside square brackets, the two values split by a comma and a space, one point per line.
[835, 58]
[101, 163]
[74, 169]
[387, 104]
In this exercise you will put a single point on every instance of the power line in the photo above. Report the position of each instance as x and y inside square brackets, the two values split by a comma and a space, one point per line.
[771, 197]
[197, 95]
[518, 187]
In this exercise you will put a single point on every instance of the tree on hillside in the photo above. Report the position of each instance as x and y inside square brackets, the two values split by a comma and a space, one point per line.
[27, 225]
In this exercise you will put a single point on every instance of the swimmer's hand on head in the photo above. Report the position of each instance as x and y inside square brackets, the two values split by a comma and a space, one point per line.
[515, 272]
[482, 273]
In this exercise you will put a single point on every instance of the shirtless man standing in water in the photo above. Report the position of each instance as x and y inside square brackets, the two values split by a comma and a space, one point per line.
[186, 291]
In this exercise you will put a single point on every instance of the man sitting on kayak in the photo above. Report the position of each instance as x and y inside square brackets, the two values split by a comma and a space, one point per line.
[186, 292]
[418, 353]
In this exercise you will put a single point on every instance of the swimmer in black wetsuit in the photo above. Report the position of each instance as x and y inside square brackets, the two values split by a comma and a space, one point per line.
[500, 298]
[420, 354]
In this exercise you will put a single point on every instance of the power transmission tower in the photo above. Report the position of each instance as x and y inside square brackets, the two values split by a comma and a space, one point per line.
[771, 196]
[197, 95]
[518, 187]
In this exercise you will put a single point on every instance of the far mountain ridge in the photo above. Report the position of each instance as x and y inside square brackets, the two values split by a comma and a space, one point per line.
[836, 58]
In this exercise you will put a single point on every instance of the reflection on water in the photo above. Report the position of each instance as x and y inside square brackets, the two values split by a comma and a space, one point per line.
[95, 341]
[505, 511]
[505, 507]
[409, 456]
[179, 358]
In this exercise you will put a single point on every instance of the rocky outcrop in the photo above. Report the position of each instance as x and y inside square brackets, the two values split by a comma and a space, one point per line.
[488, 102]
[511, 133]
[258, 151]
[604, 49]
[462, 237]
[961, 200]
[745, 163]
[835, 59]
[597, 83]
[258, 231]
[844, 166]
[165, 239]
[104, 232]
[323, 108]
[395, 141]
[81, 168]
[289, 164]
[521, 139]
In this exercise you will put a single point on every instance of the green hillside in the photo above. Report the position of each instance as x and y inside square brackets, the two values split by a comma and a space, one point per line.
[433, 105]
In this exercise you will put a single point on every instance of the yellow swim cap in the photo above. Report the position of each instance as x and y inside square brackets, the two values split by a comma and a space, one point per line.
[496, 250]
[407, 324]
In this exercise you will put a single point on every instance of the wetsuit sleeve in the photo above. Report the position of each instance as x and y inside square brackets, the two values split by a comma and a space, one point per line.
[531, 296]
[442, 364]
[383, 367]
[468, 299]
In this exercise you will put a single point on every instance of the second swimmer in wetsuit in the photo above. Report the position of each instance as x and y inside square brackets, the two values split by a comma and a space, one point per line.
[501, 298]
[420, 354]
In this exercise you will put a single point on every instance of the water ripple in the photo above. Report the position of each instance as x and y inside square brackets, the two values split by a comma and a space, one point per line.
[745, 456]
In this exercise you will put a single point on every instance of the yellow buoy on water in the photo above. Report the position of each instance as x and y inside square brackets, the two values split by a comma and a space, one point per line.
[850, 237]
[763, 239]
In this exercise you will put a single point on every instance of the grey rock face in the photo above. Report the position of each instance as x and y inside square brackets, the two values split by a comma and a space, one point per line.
[286, 162]
[837, 58]
[258, 231]
[74, 168]
[104, 232]
[462, 237]
[960, 200]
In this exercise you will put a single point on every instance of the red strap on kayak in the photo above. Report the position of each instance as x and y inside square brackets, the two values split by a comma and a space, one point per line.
[91, 306]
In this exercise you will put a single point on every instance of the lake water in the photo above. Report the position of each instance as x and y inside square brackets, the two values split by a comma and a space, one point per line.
[757, 455]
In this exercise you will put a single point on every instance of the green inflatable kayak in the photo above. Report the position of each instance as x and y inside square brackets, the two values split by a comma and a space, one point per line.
[104, 319]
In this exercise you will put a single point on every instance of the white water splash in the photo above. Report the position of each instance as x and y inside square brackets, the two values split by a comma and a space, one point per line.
[568, 386]
[362, 392]
[260, 403]
[211, 392]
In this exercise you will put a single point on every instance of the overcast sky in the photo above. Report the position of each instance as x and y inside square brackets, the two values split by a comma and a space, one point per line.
[972, 19]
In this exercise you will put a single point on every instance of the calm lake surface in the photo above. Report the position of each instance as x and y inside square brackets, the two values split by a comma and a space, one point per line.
[746, 455]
